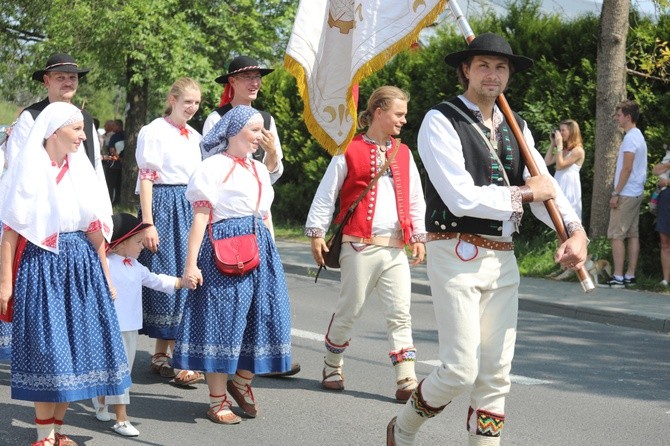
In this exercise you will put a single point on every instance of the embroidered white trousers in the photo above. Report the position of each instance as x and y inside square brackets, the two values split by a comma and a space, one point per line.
[374, 268]
[476, 308]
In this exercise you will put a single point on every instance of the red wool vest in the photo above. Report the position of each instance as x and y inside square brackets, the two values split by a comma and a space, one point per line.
[362, 165]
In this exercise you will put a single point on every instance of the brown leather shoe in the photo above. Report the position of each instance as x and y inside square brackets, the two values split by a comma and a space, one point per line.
[222, 414]
[390, 434]
[295, 369]
[239, 397]
[64, 440]
[333, 385]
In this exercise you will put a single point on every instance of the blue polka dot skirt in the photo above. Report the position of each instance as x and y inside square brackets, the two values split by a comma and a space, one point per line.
[5, 341]
[173, 216]
[66, 343]
[237, 322]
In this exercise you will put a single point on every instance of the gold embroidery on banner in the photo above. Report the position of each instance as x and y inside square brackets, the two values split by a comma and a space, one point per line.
[342, 15]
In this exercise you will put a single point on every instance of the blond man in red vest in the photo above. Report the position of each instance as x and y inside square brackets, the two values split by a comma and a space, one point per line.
[389, 217]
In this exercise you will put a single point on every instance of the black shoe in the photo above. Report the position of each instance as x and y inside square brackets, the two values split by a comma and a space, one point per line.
[615, 283]
[629, 283]
[295, 368]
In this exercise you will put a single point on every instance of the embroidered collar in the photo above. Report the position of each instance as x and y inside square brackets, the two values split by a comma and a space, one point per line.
[183, 131]
[388, 145]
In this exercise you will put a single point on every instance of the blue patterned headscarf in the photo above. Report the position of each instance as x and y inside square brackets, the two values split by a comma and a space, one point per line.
[230, 125]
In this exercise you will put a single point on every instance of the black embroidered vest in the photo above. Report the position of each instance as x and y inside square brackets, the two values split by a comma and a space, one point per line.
[481, 166]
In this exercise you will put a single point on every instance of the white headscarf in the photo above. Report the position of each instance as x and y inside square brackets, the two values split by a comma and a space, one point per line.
[28, 202]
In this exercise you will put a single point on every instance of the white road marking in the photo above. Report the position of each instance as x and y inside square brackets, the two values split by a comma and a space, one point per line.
[517, 379]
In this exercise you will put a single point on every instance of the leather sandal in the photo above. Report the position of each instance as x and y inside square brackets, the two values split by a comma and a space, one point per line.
[160, 364]
[402, 395]
[335, 384]
[240, 398]
[64, 440]
[390, 432]
[188, 377]
[44, 442]
[222, 414]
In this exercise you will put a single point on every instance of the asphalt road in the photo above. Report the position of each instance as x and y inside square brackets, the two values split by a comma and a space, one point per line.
[575, 383]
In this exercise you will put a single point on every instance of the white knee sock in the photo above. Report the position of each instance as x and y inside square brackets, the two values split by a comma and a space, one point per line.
[45, 429]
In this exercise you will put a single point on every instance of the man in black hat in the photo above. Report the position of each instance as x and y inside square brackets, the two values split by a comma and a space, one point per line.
[61, 77]
[241, 86]
[477, 182]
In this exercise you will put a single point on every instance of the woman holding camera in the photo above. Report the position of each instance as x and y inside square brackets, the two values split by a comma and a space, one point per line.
[567, 152]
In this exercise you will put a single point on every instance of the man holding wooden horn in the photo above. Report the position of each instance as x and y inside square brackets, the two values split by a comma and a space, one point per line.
[477, 183]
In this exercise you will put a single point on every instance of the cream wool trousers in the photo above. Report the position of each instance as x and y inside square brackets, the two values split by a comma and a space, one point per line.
[476, 308]
[363, 271]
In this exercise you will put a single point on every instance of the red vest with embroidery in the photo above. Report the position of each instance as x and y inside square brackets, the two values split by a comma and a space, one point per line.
[362, 165]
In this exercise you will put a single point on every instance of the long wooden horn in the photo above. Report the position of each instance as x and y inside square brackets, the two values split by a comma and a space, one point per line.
[557, 220]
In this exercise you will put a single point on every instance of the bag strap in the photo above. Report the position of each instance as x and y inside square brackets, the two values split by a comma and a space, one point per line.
[396, 146]
[492, 150]
[258, 200]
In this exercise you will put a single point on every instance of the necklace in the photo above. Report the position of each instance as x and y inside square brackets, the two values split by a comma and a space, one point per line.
[380, 147]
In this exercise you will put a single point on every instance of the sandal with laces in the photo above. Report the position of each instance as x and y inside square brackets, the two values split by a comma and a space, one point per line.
[405, 389]
[45, 442]
[160, 364]
[222, 414]
[337, 384]
[240, 397]
[64, 440]
[187, 378]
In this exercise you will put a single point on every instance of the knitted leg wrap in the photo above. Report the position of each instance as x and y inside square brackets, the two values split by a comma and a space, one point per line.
[403, 362]
[413, 414]
[489, 424]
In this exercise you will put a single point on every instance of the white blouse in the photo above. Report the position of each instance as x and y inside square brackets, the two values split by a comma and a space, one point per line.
[172, 156]
[238, 195]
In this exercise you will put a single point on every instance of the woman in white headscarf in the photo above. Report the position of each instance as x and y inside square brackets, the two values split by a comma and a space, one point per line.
[66, 344]
[233, 325]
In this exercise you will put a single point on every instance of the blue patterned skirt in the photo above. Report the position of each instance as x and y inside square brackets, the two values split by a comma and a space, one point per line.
[5, 341]
[173, 215]
[66, 343]
[233, 322]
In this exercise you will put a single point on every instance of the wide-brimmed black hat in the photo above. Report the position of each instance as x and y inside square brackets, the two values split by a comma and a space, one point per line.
[241, 64]
[489, 44]
[60, 62]
[125, 226]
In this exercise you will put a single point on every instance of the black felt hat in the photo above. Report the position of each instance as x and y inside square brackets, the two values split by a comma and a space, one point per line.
[125, 226]
[489, 44]
[60, 62]
[241, 64]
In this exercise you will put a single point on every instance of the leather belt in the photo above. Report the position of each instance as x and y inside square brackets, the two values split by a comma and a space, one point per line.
[471, 238]
[378, 241]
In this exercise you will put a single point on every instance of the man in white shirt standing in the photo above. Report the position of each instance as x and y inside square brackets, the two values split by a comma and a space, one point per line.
[477, 182]
[629, 179]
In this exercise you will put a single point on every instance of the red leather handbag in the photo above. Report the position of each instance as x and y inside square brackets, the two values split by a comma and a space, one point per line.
[236, 256]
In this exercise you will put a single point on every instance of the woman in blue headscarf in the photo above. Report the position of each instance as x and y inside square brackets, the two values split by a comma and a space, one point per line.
[238, 325]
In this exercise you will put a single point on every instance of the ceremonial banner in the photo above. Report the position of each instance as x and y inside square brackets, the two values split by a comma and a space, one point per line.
[337, 43]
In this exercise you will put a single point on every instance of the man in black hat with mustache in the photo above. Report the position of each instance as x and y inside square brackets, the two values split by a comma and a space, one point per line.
[477, 182]
[241, 86]
[61, 77]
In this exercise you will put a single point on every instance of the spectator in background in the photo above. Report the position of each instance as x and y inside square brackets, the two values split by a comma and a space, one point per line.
[629, 179]
[113, 160]
[567, 152]
[662, 171]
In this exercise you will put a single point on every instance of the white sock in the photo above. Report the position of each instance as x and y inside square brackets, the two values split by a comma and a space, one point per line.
[482, 440]
[45, 429]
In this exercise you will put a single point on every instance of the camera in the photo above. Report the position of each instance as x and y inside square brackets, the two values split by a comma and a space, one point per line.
[553, 133]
